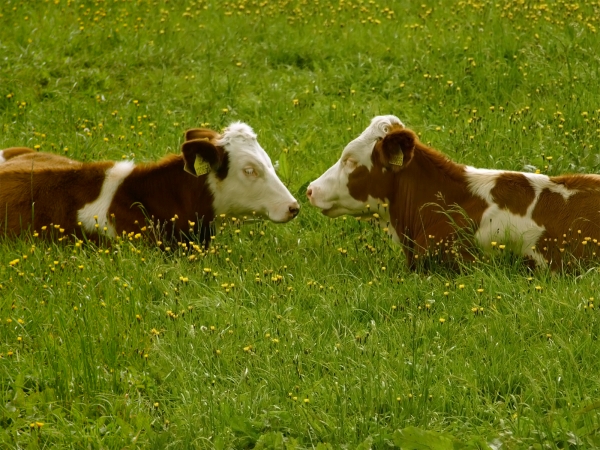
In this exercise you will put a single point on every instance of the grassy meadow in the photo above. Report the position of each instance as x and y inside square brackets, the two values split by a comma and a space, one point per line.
[311, 334]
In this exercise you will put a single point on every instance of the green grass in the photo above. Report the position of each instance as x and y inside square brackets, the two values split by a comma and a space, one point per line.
[311, 334]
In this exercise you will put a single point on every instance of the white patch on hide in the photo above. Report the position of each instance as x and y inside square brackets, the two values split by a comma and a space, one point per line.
[482, 181]
[519, 233]
[540, 182]
[99, 207]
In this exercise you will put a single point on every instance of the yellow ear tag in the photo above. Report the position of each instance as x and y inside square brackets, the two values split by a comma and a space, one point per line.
[201, 166]
[397, 160]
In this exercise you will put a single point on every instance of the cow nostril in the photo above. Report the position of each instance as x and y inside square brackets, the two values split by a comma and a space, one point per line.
[294, 210]
[308, 192]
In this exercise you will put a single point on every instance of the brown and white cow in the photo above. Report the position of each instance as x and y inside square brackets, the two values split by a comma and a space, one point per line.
[214, 174]
[425, 199]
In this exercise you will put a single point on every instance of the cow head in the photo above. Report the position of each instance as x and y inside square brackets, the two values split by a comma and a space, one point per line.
[239, 172]
[362, 178]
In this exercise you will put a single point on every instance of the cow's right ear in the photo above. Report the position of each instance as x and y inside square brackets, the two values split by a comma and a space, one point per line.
[201, 156]
[397, 149]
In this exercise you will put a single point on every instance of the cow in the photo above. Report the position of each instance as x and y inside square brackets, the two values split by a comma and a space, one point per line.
[215, 175]
[428, 203]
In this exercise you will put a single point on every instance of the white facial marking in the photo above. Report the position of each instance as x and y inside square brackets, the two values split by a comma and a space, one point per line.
[361, 148]
[2, 159]
[237, 130]
[330, 191]
[251, 185]
[99, 207]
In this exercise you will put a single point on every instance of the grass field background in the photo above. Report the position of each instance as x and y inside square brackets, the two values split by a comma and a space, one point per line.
[311, 334]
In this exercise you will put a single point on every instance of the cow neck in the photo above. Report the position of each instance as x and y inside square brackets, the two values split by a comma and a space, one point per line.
[429, 183]
[166, 191]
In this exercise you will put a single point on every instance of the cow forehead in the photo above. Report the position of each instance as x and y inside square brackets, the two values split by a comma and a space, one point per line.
[380, 126]
[237, 131]
[242, 145]
[363, 145]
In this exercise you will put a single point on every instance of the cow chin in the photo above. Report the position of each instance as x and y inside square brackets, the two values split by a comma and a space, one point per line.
[279, 217]
[337, 211]
[332, 212]
[328, 208]
[333, 208]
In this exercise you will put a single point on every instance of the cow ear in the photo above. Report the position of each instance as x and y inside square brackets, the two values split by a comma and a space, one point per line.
[201, 133]
[397, 149]
[201, 156]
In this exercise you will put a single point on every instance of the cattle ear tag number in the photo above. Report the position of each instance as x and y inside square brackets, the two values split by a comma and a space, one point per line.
[397, 160]
[201, 166]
